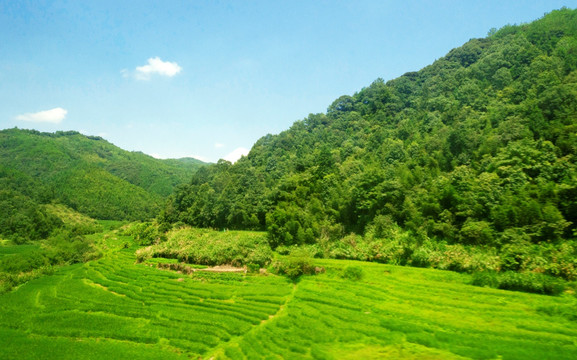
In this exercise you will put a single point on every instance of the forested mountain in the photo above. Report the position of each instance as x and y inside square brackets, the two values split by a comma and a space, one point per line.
[86, 173]
[478, 148]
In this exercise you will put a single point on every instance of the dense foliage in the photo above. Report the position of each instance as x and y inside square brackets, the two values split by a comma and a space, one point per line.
[86, 173]
[478, 149]
[22, 219]
[207, 247]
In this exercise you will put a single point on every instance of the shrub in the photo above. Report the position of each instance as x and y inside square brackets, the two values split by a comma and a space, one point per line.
[144, 254]
[485, 279]
[18, 263]
[208, 247]
[283, 249]
[314, 250]
[7, 282]
[515, 255]
[297, 263]
[354, 273]
[253, 268]
[477, 233]
[531, 282]
[526, 282]
[67, 248]
[382, 226]
[146, 233]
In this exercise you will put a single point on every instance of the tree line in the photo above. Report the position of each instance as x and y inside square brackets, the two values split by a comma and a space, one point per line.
[476, 149]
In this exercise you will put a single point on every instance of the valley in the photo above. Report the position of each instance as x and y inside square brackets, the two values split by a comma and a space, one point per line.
[431, 216]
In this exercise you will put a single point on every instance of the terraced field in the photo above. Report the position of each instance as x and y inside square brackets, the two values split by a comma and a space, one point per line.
[114, 308]
[20, 249]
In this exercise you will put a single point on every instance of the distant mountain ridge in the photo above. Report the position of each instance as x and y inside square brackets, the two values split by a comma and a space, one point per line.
[88, 174]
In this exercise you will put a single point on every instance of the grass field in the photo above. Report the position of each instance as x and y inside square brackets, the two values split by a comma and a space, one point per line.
[118, 309]
[16, 249]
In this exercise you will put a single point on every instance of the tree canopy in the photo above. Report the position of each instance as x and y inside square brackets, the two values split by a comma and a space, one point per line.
[477, 148]
[86, 173]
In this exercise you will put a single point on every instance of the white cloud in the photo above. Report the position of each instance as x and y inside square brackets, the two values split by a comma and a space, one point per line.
[54, 116]
[236, 154]
[218, 145]
[155, 66]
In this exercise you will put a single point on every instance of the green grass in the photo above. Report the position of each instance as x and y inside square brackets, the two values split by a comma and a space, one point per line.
[6, 249]
[116, 308]
[109, 225]
[162, 261]
[111, 241]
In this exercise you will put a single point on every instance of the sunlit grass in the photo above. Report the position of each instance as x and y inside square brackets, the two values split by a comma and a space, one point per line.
[117, 308]
[6, 248]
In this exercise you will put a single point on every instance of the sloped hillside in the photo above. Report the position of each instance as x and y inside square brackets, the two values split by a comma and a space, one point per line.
[478, 148]
[87, 173]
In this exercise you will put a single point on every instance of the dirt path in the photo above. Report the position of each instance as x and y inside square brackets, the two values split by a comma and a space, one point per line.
[189, 269]
[224, 268]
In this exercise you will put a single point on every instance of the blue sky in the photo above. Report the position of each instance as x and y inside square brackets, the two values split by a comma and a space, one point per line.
[209, 78]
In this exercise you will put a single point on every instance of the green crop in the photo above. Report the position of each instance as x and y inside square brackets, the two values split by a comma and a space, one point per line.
[117, 308]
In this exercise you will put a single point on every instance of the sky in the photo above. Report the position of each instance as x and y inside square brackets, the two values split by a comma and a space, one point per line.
[207, 79]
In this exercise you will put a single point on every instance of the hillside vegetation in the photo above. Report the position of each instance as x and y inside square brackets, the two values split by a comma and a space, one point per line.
[467, 165]
[85, 173]
[471, 158]
[206, 247]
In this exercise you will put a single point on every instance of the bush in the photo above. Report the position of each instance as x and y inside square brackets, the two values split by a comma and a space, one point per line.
[423, 257]
[314, 250]
[67, 248]
[144, 254]
[208, 247]
[146, 233]
[382, 227]
[477, 233]
[253, 268]
[18, 263]
[283, 249]
[297, 263]
[516, 255]
[531, 282]
[354, 273]
[526, 282]
[485, 279]
[7, 282]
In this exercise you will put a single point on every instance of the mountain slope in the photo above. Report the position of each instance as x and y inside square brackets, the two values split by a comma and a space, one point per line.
[477, 149]
[87, 173]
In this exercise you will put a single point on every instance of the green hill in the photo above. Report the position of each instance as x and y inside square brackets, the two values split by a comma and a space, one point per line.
[476, 150]
[87, 173]
[467, 165]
